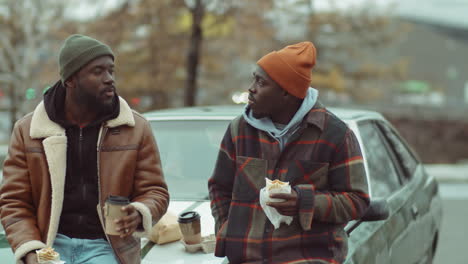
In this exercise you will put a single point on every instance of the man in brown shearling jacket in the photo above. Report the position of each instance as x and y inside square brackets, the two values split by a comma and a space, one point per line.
[81, 144]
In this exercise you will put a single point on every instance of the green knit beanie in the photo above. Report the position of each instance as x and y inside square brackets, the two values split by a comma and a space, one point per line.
[77, 51]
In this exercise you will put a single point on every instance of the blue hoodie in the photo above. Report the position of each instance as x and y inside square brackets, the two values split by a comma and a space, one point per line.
[282, 135]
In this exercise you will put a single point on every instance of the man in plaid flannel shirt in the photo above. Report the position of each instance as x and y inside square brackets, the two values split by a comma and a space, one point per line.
[286, 134]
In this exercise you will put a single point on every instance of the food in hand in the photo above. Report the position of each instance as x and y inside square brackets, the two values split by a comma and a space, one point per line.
[47, 254]
[276, 184]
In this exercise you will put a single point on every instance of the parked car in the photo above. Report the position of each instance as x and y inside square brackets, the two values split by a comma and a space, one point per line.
[401, 227]
[402, 193]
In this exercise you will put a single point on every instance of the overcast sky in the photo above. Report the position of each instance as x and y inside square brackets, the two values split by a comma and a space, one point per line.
[450, 12]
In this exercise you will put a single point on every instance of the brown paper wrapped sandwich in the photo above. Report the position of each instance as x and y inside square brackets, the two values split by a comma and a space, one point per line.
[166, 230]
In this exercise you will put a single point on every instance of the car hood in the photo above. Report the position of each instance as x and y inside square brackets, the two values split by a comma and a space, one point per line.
[174, 252]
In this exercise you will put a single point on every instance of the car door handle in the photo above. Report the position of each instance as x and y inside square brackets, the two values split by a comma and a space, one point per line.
[414, 211]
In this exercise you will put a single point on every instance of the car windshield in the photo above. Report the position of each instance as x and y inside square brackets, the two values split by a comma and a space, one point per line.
[188, 149]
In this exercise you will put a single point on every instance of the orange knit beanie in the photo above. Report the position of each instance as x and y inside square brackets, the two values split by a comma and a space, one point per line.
[291, 67]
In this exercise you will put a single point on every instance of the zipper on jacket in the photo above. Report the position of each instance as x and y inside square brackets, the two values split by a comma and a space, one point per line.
[82, 177]
[80, 142]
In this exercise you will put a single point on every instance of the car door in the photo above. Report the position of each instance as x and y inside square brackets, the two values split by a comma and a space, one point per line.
[385, 183]
[369, 241]
[414, 245]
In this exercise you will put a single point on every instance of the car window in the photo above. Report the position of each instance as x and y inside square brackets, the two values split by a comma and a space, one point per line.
[383, 176]
[405, 158]
[188, 150]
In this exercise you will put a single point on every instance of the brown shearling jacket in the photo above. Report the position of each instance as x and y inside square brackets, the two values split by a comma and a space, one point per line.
[32, 191]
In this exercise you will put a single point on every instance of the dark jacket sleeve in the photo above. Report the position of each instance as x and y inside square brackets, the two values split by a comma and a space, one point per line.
[347, 198]
[221, 182]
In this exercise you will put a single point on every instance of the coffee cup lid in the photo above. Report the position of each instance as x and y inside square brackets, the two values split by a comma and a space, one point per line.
[188, 217]
[115, 199]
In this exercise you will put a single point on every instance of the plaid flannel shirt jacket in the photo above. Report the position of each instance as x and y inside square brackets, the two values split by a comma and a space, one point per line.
[323, 160]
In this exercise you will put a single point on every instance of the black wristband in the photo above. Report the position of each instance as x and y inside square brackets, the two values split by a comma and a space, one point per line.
[298, 191]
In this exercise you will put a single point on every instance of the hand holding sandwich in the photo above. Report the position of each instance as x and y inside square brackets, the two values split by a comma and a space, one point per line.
[287, 207]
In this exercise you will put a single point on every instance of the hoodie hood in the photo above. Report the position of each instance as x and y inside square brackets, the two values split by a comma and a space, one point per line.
[54, 102]
[283, 134]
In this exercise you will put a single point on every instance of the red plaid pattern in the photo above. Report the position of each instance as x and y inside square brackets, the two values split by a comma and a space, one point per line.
[322, 161]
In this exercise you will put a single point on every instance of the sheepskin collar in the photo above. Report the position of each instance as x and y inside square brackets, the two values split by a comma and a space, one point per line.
[43, 127]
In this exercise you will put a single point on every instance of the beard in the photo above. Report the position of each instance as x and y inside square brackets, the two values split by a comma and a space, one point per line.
[258, 114]
[91, 101]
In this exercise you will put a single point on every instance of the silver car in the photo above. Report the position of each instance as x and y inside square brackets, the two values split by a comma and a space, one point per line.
[401, 226]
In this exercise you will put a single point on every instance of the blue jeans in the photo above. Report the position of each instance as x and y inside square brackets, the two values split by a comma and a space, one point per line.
[84, 251]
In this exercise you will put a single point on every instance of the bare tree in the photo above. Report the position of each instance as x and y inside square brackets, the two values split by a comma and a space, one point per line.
[25, 26]
[193, 55]
[173, 57]
[198, 9]
[223, 24]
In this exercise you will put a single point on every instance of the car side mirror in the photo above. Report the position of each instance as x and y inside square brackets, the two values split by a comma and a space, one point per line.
[378, 210]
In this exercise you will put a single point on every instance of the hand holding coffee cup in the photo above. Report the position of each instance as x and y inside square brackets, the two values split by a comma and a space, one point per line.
[113, 214]
[128, 224]
[189, 223]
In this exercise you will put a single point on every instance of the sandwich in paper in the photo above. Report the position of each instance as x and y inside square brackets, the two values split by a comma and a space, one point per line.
[48, 256]
[275, 186]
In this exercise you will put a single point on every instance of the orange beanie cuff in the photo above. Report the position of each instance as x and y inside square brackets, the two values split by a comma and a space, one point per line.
[291, 67]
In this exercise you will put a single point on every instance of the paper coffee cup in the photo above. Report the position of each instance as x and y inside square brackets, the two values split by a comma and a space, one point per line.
[112, 212]
[189, 223]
